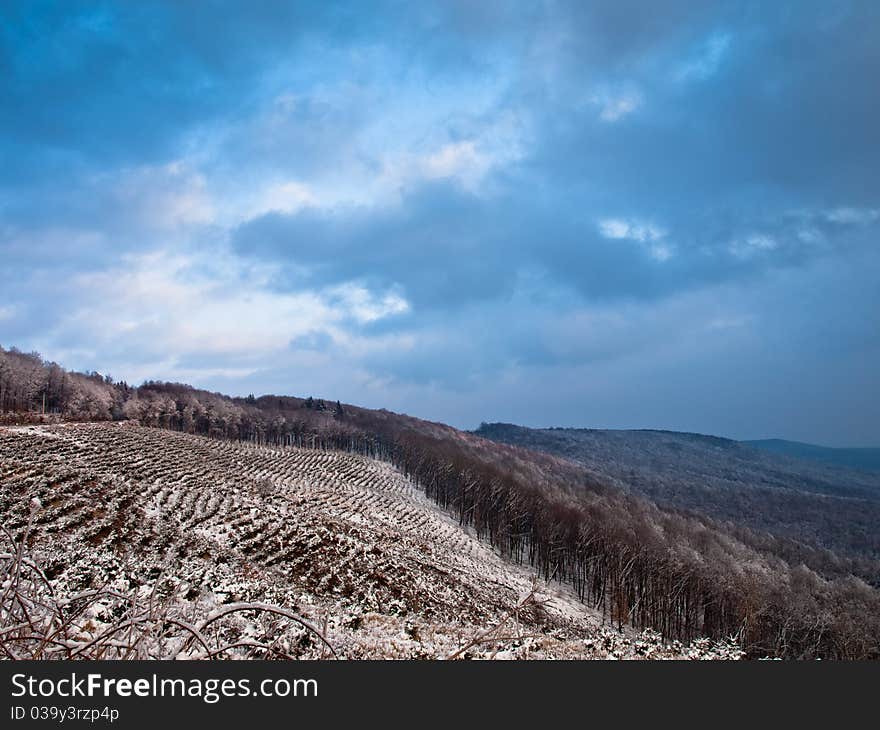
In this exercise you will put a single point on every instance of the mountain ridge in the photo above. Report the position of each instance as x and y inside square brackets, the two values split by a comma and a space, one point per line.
[862, 458]
[851, 456]
[814, 504]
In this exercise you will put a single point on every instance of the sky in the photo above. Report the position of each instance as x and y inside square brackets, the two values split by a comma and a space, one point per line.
[608, 214]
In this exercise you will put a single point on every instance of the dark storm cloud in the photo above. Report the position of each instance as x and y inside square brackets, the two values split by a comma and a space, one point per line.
[121, 81]
[447, 247]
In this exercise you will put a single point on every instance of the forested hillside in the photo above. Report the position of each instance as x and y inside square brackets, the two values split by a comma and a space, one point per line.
[866, 459]
[823, 515]
[684, 575]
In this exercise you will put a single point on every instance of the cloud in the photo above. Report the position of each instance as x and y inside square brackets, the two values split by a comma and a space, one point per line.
[707, 60]
[615, 106]
[283, 197]
[167, 308]
[633, 230]
[364, 306]
[848, 216]
[645, 233]
[753, 245]
[572, 212]
[167, 197]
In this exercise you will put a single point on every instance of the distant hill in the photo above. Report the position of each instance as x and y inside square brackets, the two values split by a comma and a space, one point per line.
[867, 459]
[817, 504]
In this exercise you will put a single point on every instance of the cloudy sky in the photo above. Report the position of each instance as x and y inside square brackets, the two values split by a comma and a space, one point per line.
[612, 214]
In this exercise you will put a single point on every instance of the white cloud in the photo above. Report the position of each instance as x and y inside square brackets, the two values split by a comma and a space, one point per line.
[364, 306]
[277, 196]
[614, 228]
[165, 197]
[376, 139]
[753, 245]
[468, 161]
[809, 235]
[660, 251]
[288, 197]
[464, 161]
[852, 216]
[630, 229]
[172, 303]
[649, 235]
[615, 106]
[453, 159]
[706, 62]
[761, 241]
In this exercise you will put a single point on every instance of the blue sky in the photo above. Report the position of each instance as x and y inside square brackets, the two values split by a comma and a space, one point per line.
[610, 214]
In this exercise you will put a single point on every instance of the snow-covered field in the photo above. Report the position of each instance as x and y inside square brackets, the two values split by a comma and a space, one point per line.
[129, 521]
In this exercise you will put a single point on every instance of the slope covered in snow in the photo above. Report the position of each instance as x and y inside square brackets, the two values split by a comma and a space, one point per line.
[147, 517]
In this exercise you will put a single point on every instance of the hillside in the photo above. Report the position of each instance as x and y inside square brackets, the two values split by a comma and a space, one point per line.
[344, 541]
[865, 459]
[635, 563]
[824, 508]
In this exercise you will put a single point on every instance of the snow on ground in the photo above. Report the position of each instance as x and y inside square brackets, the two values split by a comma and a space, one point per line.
[344, 541]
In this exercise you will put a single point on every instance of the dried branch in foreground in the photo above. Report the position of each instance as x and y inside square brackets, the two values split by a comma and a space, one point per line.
[530, 602]
[35, 623]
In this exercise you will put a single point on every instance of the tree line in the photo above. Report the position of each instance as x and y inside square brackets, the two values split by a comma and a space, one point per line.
[33, 386]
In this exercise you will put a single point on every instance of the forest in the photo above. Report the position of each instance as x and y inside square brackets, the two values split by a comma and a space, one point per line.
[682, 574]
[819, 514]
